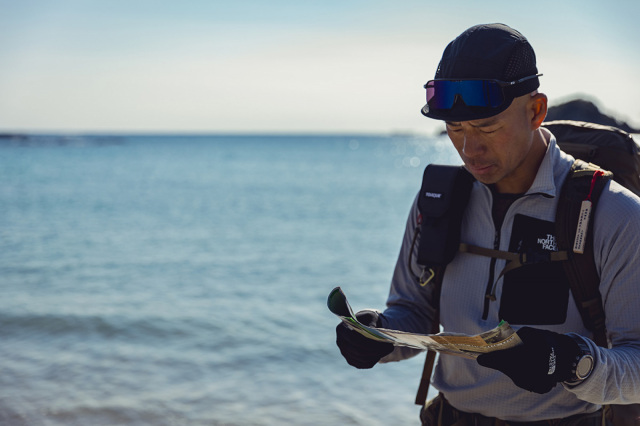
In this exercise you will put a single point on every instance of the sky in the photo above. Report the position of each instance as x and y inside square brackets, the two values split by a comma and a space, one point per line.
[285, 66]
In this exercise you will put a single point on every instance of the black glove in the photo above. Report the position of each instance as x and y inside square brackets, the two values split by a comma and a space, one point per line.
[360, 351]
[544, 359]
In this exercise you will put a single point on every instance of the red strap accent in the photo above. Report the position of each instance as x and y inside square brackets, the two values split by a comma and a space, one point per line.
[596, 174]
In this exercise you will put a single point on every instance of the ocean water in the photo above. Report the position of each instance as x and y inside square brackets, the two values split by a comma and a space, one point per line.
[182, 280]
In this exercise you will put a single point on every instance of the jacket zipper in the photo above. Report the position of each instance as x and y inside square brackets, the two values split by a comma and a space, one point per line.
[488, 295]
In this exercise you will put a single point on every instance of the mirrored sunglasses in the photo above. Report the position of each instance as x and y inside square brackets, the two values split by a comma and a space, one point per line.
[442, 93]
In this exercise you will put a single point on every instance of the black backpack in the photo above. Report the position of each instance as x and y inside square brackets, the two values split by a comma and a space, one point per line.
[445, 192]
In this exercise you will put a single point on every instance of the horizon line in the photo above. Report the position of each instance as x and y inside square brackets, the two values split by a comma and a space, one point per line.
[205, 133]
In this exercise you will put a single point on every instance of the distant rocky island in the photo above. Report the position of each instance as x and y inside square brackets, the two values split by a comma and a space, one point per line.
[583, 110]
[12, 136]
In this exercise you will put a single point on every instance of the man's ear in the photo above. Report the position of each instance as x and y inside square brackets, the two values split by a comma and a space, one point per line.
[538, 108]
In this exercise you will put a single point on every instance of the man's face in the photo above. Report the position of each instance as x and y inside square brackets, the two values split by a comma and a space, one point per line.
[498, 150]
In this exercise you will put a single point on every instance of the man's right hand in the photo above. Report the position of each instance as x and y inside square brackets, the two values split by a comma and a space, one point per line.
[360, 351]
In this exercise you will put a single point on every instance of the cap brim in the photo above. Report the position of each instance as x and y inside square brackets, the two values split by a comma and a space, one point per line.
[461, 112]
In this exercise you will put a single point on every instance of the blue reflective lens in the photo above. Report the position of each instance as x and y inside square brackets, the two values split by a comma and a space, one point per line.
[442, 94]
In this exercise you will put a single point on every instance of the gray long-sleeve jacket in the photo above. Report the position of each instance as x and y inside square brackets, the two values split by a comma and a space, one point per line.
[536, 297]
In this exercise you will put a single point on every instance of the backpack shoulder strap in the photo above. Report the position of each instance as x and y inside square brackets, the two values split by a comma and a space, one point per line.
[423, 388]
[574, 231]
[429, 362]
[443, 198]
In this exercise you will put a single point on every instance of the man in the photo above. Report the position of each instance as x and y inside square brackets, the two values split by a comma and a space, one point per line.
[519, 171]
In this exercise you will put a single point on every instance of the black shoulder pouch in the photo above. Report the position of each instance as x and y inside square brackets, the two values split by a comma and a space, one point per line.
[443, 198]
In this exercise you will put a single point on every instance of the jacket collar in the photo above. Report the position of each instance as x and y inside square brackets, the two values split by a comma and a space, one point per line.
[554, 167]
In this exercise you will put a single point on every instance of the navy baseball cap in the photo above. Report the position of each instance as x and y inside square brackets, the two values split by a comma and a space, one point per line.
[480, 74]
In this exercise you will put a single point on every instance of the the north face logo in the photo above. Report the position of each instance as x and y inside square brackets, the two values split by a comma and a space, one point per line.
[549, 243]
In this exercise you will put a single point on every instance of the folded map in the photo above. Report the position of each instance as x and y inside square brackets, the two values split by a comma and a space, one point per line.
[501, 337]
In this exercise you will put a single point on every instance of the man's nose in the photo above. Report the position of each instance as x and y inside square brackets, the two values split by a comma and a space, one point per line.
[473, 145]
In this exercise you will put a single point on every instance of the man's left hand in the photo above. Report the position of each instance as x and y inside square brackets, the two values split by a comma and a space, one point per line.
[544, 359]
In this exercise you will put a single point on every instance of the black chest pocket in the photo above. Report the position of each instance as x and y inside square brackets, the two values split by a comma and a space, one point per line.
[536, 293]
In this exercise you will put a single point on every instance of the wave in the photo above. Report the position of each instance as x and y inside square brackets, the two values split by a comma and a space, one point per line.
[102, 327]
[24, 140]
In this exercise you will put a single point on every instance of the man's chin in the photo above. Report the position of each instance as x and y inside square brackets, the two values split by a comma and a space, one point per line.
[483, 175]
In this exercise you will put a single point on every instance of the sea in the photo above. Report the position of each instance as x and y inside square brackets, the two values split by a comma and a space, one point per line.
[183, 279]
